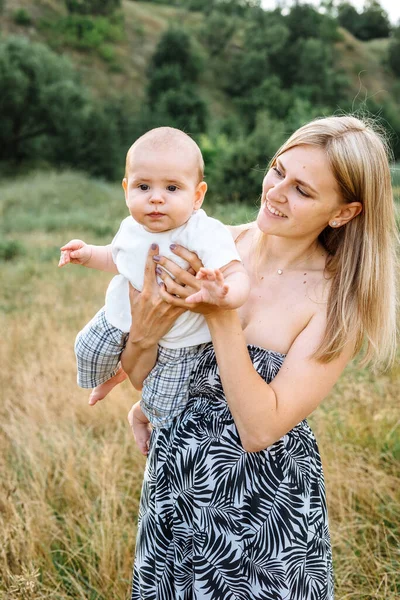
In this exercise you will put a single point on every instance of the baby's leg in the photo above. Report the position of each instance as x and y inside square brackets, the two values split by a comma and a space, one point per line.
[105, 388]
[166, 388]
[98, 348]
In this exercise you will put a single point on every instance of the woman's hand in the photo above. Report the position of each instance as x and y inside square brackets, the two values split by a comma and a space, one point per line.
[152, 317]
[183, 284]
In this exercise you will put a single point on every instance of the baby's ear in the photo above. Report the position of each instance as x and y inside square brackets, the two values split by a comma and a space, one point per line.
[199, 194]
[125, 184]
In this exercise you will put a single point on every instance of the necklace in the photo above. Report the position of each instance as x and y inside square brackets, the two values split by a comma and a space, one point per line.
[280, 271]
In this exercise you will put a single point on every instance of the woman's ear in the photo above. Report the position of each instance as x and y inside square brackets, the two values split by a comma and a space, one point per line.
[199, 194]
[346, 213]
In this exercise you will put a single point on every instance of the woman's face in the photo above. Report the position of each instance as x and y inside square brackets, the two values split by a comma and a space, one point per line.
[300, 195]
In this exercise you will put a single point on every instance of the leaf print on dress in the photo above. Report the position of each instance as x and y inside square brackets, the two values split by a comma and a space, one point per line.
[225, 524]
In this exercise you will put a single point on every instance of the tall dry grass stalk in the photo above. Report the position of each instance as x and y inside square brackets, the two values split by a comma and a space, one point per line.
[71, 475]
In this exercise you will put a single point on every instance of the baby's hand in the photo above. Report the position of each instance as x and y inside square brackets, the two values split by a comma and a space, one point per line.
[213, 288]
[75, 252]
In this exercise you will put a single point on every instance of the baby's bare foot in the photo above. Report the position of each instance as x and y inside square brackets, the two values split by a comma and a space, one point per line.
[142, 432]
[105, 388]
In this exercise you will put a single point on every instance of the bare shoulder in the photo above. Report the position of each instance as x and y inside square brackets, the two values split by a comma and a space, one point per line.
[237, 230]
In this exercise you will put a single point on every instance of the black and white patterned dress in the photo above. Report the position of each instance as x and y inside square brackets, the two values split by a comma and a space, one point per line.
[219, 523]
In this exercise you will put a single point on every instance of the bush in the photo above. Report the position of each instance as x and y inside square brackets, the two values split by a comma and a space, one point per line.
[22, 17]
[92, 7]
[10, 249]
[84, 32]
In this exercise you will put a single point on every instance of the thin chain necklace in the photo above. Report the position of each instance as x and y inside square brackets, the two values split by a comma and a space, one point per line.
[280, 271]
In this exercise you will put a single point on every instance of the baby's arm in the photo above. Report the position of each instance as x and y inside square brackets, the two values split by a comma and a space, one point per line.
[78, 252]
[227, 287]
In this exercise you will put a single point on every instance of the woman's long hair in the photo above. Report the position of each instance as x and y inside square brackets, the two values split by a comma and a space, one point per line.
[361, 254]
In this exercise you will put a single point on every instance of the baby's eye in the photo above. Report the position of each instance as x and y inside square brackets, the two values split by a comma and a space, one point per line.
[144, 187]
[172, 188]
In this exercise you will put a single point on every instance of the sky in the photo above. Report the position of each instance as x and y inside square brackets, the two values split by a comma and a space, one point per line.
[392, 7]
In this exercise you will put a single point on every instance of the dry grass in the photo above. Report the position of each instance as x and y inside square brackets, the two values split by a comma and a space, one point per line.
[71, 475]
[363, 62]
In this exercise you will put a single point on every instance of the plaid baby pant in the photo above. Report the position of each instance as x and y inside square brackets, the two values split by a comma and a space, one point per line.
[98, 349]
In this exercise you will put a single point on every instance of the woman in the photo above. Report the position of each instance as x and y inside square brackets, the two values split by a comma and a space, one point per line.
[233, 502]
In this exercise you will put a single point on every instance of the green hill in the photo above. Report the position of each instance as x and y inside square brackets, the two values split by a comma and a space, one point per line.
[119, 66]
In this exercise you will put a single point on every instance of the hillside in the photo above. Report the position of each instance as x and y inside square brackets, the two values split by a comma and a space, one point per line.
[120, 68]
[143, 25]
[363, 62]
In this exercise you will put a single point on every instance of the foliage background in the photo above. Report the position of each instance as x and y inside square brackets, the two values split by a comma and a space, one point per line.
[79, 81]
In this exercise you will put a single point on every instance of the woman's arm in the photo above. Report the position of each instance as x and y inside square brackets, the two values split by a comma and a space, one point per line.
[263, 412]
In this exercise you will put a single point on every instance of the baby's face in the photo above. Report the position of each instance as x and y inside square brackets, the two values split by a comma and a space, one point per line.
[162, 188]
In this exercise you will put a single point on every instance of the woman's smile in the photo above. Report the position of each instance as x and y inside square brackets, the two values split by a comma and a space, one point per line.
[271, 210]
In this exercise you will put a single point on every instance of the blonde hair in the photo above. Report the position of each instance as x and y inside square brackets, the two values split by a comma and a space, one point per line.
[166, 139]
[361, 254]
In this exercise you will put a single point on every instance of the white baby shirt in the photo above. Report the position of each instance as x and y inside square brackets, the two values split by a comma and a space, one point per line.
[211, 241]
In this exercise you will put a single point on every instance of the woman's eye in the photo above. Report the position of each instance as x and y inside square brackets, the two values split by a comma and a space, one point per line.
[144, 187]
[172, 188]
[277, 171]
[302, 193]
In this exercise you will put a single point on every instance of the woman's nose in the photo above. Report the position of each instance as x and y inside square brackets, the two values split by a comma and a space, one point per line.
[277, 193]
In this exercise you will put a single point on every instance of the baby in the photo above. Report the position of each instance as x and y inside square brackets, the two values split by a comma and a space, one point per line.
[164, 191]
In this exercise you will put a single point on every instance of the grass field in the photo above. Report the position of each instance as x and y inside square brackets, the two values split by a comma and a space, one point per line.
[71, 475]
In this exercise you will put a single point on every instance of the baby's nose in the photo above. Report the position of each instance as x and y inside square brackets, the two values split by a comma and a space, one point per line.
[157, 198]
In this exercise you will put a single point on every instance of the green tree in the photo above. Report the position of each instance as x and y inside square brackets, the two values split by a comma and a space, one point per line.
[349, 17]
[216, 31]
[176, 48]
[171, 92]
[47, 115]
[161, 80]
[39, 94]
[374, 22]
[238, 174]
[184, 109]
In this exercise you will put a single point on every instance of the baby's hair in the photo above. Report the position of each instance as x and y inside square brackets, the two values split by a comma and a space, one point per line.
[166, 138]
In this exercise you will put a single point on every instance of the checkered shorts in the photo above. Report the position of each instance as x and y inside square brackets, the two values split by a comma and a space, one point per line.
[98, 349]
[166, 388]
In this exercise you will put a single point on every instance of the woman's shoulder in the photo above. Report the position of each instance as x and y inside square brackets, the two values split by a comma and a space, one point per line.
[238, 231]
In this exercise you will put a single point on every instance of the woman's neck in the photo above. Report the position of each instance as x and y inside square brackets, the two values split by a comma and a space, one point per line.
[278, 253]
